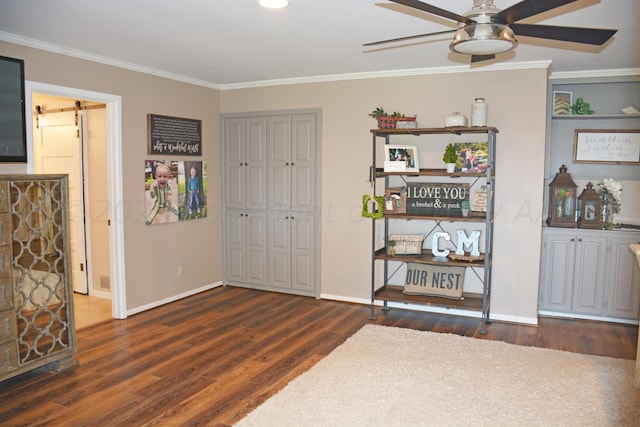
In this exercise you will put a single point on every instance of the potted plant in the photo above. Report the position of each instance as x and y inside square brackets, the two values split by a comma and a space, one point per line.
[465, 206]
[392, 249]
[450, 157]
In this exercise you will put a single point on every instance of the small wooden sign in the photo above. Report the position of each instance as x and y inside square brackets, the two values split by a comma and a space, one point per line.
[436, 199]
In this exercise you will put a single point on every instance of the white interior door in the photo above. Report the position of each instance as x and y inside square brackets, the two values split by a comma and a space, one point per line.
[58, 150]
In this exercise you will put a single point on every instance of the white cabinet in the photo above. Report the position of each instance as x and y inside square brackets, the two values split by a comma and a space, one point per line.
[589, 273]
[271, 201]
[246, 245]
[291, 254]
[624, 280]
[291, 156]
[245, 160]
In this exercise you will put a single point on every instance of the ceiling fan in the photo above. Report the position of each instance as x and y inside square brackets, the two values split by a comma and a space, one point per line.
[485, 30]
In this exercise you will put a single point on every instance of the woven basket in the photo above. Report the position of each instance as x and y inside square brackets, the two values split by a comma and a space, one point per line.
[388, 122]
[406, 244]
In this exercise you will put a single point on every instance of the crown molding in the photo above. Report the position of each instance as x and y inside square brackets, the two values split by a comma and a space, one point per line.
[388, 73]
[619, 72]
[54, 48]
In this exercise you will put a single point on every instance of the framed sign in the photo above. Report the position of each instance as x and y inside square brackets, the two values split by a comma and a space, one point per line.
[606, 146]
[173, 135]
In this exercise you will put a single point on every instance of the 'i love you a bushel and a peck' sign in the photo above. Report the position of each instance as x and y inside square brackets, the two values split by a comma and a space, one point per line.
[426, 198]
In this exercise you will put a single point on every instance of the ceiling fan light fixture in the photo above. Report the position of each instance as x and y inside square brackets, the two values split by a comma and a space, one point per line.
[483, 39]
[273, 4]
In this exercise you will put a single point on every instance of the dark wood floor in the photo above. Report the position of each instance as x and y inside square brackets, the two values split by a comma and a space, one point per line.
[211, 358]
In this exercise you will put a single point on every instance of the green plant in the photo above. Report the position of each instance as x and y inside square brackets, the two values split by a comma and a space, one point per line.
[397, 114]
[392, 243]
[378, 112]
[465, 204]
[580, 107]
[450, 155]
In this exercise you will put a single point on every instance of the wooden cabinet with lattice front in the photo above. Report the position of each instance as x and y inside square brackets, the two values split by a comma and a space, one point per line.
[36, 299]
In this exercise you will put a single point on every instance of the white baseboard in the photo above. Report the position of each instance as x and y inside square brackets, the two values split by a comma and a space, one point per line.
[172, 299]
[436, 309]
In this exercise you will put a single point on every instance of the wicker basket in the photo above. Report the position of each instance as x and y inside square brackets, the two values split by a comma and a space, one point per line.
[388, 122]
[406, 244]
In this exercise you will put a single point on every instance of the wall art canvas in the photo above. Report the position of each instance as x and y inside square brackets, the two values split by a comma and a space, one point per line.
[192, 183]
[161, 191]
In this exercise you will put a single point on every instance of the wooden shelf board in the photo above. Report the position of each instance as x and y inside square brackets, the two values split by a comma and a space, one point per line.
[473, 217]
[424, 131]
[427, 258]
[594, 116]
[394, 293]
[380, 173]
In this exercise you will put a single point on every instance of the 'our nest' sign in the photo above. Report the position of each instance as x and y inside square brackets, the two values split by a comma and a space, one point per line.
[429, 198]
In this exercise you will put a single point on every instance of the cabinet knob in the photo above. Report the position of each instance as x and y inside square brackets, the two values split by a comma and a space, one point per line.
[579, 239]
[573, 240]
[293, 164]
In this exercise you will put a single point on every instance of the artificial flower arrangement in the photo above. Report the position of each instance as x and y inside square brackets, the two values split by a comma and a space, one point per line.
[610, 192]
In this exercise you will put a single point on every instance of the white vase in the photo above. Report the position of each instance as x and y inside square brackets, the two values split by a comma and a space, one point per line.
[451, 167]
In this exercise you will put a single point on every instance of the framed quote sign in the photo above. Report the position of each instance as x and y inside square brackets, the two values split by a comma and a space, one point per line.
[606, 146]
[173, 135]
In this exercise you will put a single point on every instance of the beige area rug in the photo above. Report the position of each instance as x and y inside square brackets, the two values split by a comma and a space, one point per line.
[386, 376]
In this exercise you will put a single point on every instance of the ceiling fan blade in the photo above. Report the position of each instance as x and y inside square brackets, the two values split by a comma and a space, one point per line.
[399, 39]
[594, 36]
[416, 4]
[527, 8]
[478, 58]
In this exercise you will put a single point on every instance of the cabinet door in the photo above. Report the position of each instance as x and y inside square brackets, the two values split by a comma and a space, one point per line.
[589, 275]
[234, 152]
[302, 252]
[624, 281]
[279, 250]
[279, 155]
[256, 163]
[291, 251]
[256, 226]
[557, 272]
[246, 247]
[303, 180]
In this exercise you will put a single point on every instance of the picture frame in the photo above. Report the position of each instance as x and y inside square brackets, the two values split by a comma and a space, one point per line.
[13, 131]
[617, 146]
[472, 156]
[562, 101]
[397, 156]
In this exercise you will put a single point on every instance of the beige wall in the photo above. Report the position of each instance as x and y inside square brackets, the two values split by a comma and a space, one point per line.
[152, 253]
[517, 105]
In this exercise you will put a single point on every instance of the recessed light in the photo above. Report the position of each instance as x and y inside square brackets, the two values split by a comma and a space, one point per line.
[274, 4]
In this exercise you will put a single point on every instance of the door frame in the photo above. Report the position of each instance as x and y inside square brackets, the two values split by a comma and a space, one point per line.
[114, 178]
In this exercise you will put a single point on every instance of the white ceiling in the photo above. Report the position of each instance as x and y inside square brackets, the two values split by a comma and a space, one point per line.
[226, 42]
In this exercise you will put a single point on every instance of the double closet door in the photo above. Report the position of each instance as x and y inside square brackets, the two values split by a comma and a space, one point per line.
[271, 201]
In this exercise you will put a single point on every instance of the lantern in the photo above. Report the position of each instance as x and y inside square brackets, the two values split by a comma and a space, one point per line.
[589, 208]
[562, 200]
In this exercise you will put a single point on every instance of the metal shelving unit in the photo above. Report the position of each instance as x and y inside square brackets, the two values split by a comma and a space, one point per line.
[386, 293]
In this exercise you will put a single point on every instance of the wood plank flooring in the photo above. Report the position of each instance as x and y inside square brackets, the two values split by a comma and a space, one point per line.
[211, 358]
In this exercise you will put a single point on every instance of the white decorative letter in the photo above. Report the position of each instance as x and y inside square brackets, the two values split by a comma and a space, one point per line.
[434, 244]
[464, 241]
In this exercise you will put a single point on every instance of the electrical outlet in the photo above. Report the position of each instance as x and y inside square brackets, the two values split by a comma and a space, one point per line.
[179, 271]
